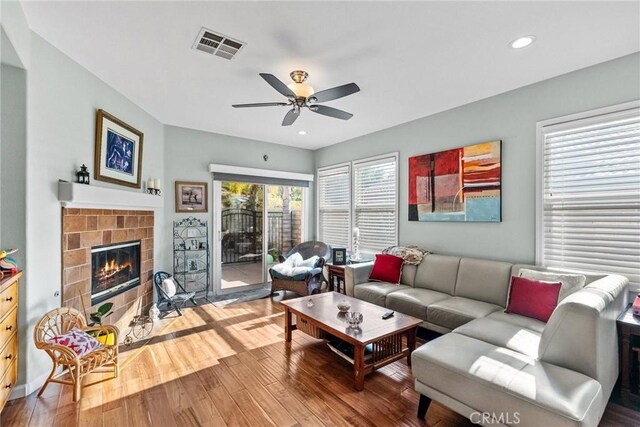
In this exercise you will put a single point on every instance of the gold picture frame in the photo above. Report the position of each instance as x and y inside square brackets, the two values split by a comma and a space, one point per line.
[118, 155]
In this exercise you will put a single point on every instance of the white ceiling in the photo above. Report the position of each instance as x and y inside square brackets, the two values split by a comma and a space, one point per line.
[410, 59]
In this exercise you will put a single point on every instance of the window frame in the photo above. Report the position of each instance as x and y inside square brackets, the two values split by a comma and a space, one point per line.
[351, 165]
[541, 126]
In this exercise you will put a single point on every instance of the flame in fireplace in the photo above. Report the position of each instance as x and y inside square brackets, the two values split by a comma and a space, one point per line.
[110, 268]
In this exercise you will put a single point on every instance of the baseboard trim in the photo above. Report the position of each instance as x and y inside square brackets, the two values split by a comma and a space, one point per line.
[24, 390]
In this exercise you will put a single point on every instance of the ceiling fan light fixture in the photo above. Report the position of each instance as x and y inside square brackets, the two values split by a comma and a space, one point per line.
[302, 90]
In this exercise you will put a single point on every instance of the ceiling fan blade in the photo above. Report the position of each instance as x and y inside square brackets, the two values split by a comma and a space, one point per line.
[291, 117]
[331, 112]
[261, 104]
[277, 84]
[334, 93]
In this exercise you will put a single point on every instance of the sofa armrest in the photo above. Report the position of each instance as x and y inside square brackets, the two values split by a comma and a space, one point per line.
[581, 334]
[354, 274]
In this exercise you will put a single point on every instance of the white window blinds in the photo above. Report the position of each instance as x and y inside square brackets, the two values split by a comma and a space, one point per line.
[334, 206]
[376, 202]
[591, 195]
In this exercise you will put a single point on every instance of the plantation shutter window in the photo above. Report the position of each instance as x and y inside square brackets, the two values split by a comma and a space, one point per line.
[334, 206]
[376, 203]
[591, 195]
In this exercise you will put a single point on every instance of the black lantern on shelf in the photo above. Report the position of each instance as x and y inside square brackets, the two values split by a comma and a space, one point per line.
[83, 175]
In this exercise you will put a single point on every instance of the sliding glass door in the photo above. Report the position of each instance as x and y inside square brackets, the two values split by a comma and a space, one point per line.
[251, 238]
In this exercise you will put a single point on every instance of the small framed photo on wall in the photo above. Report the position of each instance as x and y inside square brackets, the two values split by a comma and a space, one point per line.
[191, 196]
[339, 256]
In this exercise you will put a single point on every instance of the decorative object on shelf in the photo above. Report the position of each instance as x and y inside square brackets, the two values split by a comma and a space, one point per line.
[118, 157]
[636, 306]
[344, 306]
[463, 184]
[355, 255]
[353, 319]
[153, 186]
[8, 265]
[191, 254]
[191, 196]
[310, 303]
[339, 256]
[82, 176]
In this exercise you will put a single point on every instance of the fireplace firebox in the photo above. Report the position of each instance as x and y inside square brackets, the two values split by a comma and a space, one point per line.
[114, 269]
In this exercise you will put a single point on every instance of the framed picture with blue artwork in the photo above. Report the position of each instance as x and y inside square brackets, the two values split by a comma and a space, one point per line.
[118, 151]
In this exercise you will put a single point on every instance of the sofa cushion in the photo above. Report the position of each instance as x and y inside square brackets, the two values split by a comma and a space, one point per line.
[489, 379]
[408, 274]
[517, 320]
[483, 280]
[413, 301]
[456, 311]
[376, 292]
[502, 334]
[438, 273]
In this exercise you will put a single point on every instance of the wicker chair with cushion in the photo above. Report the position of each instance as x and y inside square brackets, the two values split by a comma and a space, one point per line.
[102, 359]
[309, 283]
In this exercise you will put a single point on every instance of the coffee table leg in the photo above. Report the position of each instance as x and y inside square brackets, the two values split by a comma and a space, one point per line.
[411, 343]
[287, 324]
[358, 367]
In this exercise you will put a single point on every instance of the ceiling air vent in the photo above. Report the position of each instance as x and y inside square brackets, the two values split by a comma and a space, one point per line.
[217, 44]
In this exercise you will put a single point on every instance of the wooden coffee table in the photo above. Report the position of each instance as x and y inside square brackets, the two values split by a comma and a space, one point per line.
[323, 320]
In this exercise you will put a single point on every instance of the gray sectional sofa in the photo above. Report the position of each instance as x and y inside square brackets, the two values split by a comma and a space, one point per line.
[499, 368]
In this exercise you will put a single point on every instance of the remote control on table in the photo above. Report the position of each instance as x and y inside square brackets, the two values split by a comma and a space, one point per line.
[387, 315]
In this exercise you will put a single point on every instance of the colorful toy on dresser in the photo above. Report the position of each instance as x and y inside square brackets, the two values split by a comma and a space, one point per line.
[8, 265]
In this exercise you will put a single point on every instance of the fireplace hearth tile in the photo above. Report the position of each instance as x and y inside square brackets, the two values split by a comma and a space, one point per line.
[131, 221]
[73, 241]
[75, 274]
[75, 223]
[91, 238]
[92, 223]
[106, 222]
[106, 237]
[74, 258]
[120, 221]
[118, 236]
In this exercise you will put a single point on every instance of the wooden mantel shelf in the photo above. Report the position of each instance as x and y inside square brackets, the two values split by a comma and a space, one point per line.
[73, 195]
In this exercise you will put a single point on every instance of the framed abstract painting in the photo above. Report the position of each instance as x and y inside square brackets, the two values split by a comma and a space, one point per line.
[463, 184]
[118, 157]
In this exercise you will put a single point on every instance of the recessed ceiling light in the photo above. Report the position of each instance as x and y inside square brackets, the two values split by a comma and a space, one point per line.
[302, 132]
[521, 42]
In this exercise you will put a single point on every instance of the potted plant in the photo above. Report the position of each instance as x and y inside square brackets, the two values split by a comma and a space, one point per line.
[96, 319]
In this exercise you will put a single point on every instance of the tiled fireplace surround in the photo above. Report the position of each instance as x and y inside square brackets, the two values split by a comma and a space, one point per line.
[84, 228]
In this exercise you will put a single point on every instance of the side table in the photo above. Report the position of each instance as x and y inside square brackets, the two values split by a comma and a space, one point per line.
[336, 278]
[629, 338]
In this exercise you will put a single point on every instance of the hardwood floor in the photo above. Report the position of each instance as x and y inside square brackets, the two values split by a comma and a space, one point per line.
[230, 366]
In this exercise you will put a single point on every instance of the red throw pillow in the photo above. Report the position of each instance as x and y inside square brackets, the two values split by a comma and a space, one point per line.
[533, 299]
[387, 268]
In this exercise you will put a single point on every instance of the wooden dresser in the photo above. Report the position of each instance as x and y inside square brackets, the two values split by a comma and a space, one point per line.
[8, 335]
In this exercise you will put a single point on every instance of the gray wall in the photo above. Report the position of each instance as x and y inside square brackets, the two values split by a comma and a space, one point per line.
[62, 98]
[13, 146]
[188, 154]
[512, 117]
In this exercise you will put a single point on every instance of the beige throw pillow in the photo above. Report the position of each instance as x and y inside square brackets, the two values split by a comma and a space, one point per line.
[570, 282]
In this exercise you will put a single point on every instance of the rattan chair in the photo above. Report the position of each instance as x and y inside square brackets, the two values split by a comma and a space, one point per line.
[103, 359]
[312, 281]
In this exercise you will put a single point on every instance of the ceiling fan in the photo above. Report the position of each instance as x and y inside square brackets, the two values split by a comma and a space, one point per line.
[301, 95]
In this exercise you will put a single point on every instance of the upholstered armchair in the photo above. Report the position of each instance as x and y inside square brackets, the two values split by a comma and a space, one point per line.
[102, 359]
[310, 282]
